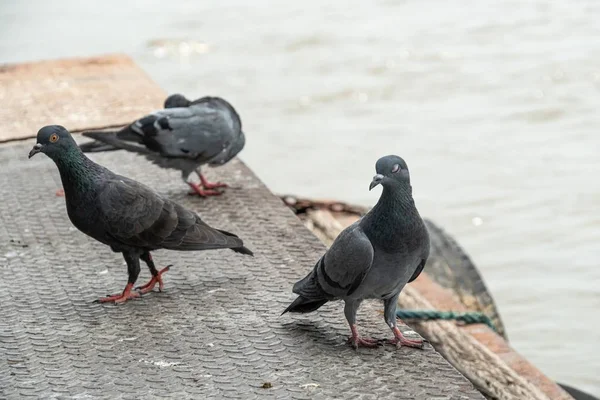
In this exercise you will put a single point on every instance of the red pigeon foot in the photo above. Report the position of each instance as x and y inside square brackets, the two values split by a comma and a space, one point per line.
[401, 340]
[211, 185]
[364, 342]
[153, 281]
[357, 341]
[203, 193]
[121, 298]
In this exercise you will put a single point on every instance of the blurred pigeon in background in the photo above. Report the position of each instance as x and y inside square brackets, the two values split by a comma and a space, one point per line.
[373, 258]
[127, 216]
[184, 136]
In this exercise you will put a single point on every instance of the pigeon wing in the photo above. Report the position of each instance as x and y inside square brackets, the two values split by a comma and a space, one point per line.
[130, 212]
[134, 215]
[418, 271]
[196, 132]
[344, 266]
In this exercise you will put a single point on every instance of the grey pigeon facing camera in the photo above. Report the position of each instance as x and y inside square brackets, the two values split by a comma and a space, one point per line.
[184, 136]
[127, 216]
[374, 258]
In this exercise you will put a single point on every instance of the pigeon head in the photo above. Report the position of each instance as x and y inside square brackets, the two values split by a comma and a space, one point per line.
[53, 140]
[176, 100]
[392, 172]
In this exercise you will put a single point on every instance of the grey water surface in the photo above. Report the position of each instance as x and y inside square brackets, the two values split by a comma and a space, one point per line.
[495, 106]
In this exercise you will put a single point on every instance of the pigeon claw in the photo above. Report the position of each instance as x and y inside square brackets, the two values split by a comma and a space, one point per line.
[121, 298]
[211, 185]
[400, 340]
[196, 189]
[358, 341]
[148, 287]
[214, 185]
[60, 193]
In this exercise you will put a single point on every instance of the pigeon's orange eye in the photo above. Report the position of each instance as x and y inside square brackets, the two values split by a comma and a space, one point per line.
[53, 138]
[395, 168]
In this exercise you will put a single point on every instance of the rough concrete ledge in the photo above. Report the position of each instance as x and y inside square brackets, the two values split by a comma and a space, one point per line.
[79, 93]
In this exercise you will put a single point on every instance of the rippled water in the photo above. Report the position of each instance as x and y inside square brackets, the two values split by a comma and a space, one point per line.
[495, 106]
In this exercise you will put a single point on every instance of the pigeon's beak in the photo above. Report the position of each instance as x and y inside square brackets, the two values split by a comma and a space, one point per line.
[36, 149]
[376, 181]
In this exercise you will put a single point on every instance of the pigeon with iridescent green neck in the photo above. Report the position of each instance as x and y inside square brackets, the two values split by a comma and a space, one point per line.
[129, 217]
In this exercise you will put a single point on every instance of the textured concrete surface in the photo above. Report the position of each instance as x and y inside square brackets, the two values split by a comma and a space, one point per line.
[79, 93]
[215, 332]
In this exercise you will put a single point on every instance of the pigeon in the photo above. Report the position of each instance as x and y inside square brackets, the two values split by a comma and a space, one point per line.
[177, 100]
[124, 214]
[183, 136]
[373, 258]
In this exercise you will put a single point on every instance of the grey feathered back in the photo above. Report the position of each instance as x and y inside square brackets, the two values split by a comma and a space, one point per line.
[207, 131]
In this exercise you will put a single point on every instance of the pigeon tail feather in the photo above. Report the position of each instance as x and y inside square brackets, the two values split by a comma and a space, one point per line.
[125, 133]
[113, 139]
[311, 295]
[303, 305]
[241, 249]
[96, 147]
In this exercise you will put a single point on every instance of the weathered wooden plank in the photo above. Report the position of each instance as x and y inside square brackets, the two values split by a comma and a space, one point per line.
[79, 93]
